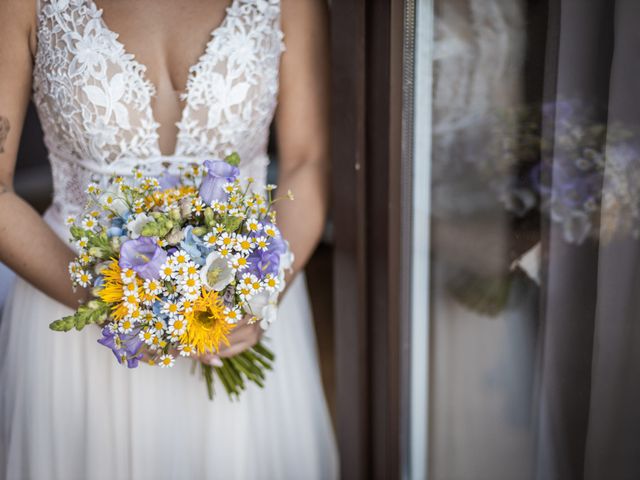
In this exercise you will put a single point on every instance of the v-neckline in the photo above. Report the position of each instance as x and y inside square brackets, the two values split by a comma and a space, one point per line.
[141, 69]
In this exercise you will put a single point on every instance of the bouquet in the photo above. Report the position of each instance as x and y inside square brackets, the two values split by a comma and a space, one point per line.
[175, 262]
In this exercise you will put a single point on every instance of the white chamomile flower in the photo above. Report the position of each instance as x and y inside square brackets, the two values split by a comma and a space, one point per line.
[219, 207]
[177, 326]
[158, 326]
[89, 223]
[166, 361]
[135, 316]
[186, 350]
[198, 206]
[162, 242]
[217, 229]
[85, 259]
[125, 326]
[166, 271]
[233, 314]
[93, 189]
[271, 231]
[226, 239]
[83, 278]
[179, 258]
[74, 268]
[271, 283]
[82, 243]
[251, 282]
[131, 301]
[172, 308]
[152, 287]
[130, 289]
[244, 244]
[210, 239]
[157, 343]
[146, 336]
[253, 225]
[262, 243]
[69, 221]
[225, 252]
[190, 283]
[128, 275]
[146, 317]
[270, 187]
[238, 262]
[244, 292]
[188, 269]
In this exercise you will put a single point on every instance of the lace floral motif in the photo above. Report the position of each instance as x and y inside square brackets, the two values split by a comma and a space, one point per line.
[94, 100]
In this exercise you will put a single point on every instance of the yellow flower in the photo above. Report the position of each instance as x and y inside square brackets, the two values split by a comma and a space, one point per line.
[206, 324]
[112, 290]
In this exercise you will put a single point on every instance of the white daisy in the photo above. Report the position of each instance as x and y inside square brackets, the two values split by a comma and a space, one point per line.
[89, 223]
[83, 278]
[158, 326]
[226, 240]
[152, 286]
[177, 326]
[262, 243]
[233, 314]
[146, 336]
[210, 239]
[186, 350]
[238, 262]
[82, 243]
[172, 308]
[128, 276]
[166, 361]
[253, 225]
[271, 283]
[125, 326]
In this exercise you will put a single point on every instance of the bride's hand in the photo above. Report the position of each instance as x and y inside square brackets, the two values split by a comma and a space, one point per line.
[244, 336]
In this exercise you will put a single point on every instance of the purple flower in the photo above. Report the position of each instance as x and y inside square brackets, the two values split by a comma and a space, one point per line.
[143, 256]
[262, 263]
[125, 347]
[219, 173]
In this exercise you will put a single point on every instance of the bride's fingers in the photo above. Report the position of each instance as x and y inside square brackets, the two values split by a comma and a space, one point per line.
[211, 359]
[234, 349]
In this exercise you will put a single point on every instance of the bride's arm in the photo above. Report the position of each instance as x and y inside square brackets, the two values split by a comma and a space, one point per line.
[302, 122]
[27, 244]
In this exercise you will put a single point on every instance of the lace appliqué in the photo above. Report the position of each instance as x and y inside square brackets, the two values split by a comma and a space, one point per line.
[94, 100]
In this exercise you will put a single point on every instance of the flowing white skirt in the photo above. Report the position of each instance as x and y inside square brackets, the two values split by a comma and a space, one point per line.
[69, 411]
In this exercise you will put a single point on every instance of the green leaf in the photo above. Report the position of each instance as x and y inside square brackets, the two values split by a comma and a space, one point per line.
[231, 223]
[233, 159]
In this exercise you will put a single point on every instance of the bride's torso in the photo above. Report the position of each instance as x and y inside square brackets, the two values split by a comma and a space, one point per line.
[104, 112]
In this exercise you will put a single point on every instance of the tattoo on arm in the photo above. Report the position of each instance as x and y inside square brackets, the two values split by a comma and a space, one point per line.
[5, 126]
[4, 189]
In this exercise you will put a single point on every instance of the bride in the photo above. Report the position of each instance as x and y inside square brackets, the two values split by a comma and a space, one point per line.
[205, 80]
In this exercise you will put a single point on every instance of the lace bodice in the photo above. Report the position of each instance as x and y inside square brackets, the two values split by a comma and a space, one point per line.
[94, 100]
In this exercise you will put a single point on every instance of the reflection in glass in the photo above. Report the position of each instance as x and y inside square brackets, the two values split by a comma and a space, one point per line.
[534, 196]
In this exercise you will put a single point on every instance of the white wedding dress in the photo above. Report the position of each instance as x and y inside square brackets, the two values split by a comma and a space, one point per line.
[67, 409]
